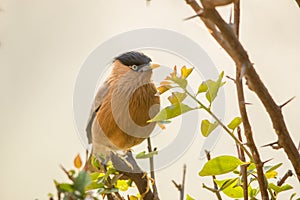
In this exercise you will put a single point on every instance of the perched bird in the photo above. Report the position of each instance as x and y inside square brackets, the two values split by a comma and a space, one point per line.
[123, 105]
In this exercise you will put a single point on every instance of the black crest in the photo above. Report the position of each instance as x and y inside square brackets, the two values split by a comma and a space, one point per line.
[133, 58]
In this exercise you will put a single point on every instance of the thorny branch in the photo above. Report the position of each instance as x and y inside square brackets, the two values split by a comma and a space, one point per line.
[225, 36]
[246, 124]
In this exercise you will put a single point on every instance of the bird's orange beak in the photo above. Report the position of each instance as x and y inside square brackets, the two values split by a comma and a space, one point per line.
[153, 66]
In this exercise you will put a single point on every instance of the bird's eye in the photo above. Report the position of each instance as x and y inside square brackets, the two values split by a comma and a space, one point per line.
[134, 67]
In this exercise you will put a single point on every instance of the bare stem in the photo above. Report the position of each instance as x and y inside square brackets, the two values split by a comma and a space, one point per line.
[152, 173]
[213, 178]
[243, 167]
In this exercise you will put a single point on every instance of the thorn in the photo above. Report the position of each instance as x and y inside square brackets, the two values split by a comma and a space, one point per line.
[199, 14]
[267, 161]
[274, 145]
[246, 103]
[230, 78]
[288, 101]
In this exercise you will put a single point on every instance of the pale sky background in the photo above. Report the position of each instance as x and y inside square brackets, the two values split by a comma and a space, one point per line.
[44, 43]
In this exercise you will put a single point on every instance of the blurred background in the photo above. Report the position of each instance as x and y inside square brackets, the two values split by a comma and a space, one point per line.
[43, 46]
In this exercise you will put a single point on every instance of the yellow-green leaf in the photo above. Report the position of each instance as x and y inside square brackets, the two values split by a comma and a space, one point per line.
[144, 155]
[272, 168]
[213, 88]
[122, 185]
[278, 189]
[234, 123]
[179, 81]
[220, 165]
[207, 127]
[177, 97]
[188, 197]
[185, 72]
[202, 87]
[131, 197]
[231, 188]
[171, 112]
[77, 162]
[271, 174]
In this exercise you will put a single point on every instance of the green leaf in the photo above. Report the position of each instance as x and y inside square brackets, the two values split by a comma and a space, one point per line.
[81, 181]
[65, 187]
[94, 185]
[108, 190]
[207, 127]
[171, 112]
[177, 97]
[144, 155]
[228, 182]
[202, 87]
[252, 192]
[272, 168]
[235, 123]
[188, 197]
[292, 196]
[232, 189]
[213, 88]
[278, 189]
[220, 165]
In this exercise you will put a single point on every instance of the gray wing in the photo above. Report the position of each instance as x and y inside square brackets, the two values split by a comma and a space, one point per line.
[99, 98]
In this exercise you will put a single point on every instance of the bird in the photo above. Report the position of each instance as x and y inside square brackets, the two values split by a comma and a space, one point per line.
[123, 105]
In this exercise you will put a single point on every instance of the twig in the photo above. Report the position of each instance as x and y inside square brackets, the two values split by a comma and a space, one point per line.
[180, 187]
[183, 182]
[230, 78]
[225, 36]
[67, 173]
[283, 179]
[243, 167]
[213, 178]
[236, 12]
[152, 173]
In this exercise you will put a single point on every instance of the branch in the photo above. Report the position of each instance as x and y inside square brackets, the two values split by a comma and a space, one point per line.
[298, 2]
[241, 154]
[283, 179]
[249, 137]
[133, 172]
[225, 36]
